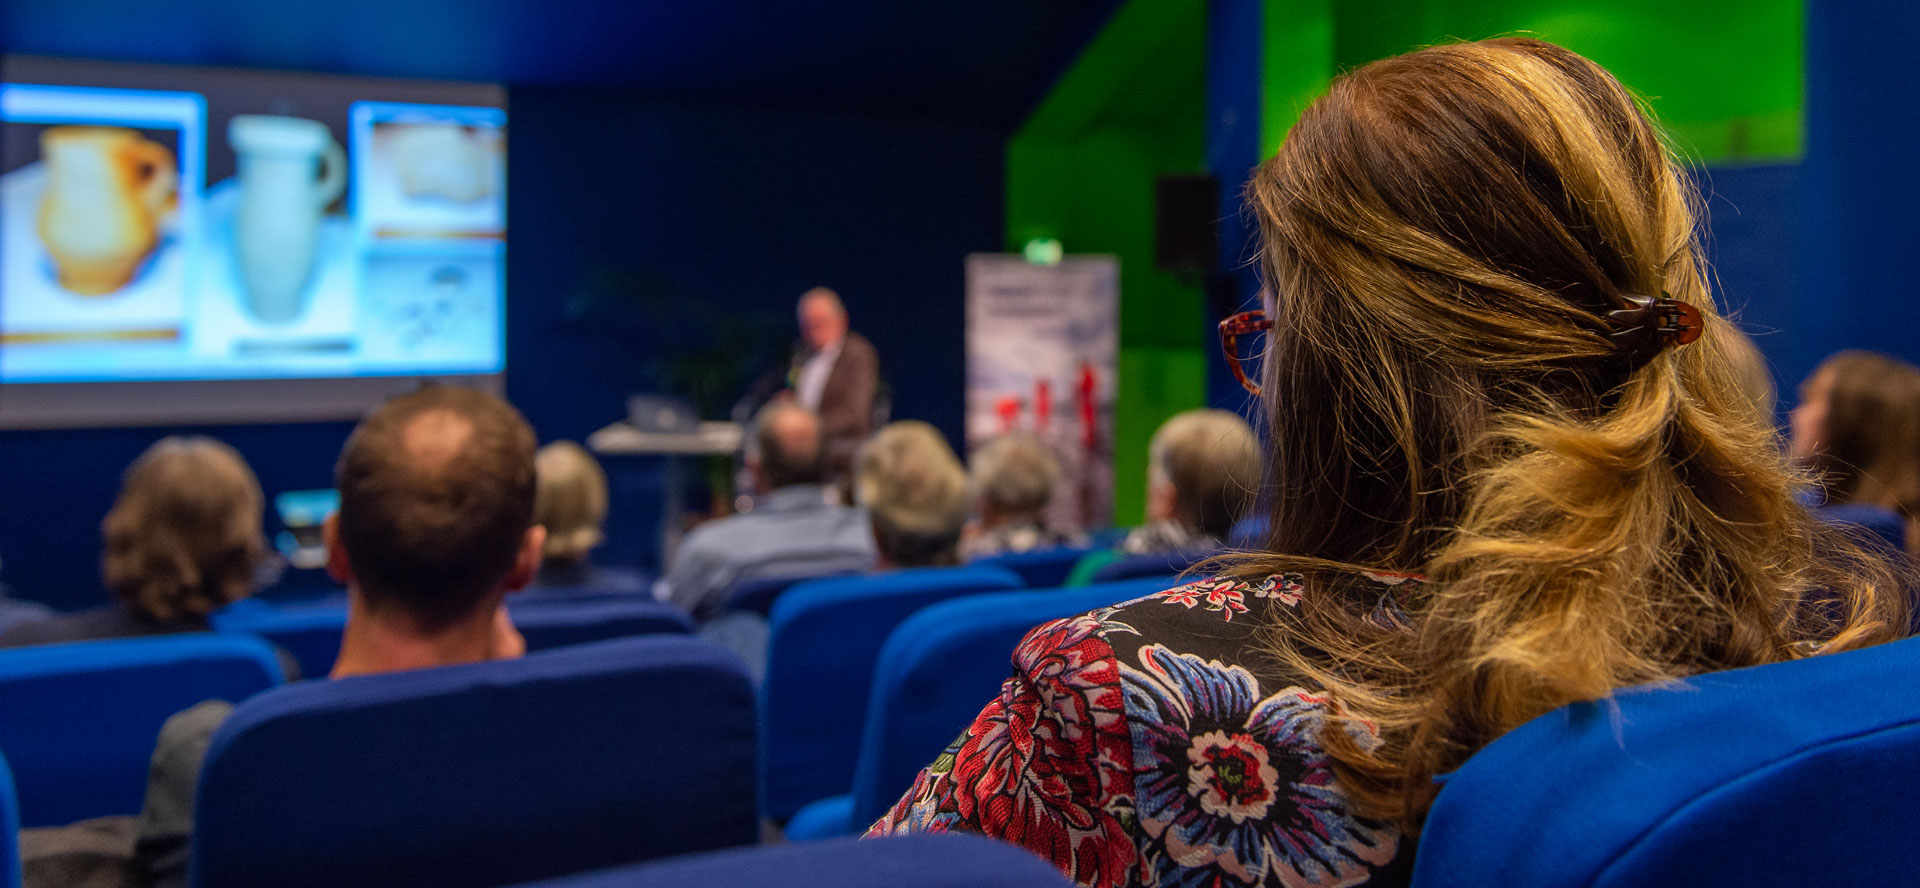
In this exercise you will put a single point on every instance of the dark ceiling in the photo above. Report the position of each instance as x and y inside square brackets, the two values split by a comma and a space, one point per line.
[987, 61]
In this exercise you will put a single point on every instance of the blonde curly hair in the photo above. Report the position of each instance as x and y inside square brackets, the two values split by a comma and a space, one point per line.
[569, 500]
[1444, 234]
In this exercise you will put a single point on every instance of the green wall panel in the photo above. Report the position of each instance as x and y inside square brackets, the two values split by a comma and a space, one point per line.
[1298, 41]
[1082, 170]
[1725, 79]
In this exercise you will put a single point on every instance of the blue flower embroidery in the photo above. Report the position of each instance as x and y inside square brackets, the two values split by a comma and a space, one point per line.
[1233, 789]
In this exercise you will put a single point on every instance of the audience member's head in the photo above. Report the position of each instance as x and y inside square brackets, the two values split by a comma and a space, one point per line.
[1595, 503]
[436, 507]
[1014, 476]
[184, 537]
[823, 318]
[570, 501]
[1203, 468]
[915, 491]
[1858, 428]
[787, 448]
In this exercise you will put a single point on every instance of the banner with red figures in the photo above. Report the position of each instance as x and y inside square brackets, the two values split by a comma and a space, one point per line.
[1043, 344]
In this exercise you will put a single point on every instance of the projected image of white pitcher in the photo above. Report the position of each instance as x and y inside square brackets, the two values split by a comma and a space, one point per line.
[110, 198]
[290, 169]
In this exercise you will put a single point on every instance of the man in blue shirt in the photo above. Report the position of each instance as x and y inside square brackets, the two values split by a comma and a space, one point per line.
[796, 529]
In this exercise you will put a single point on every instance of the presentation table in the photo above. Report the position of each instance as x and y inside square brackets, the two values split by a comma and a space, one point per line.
[644, 464]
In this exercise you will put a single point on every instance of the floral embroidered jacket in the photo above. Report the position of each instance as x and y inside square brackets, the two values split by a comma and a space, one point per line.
[1153, 743]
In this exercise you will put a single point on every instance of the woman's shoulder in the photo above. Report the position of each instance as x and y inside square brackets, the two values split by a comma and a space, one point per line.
[1223, 617]
[1223, 744]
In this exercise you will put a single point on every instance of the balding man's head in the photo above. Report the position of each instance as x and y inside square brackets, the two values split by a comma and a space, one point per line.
[436, 498]
[823, 318]
[789, 447]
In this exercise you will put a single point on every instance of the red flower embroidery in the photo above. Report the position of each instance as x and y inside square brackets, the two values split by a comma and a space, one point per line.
[1186, 595]
[1224, 597]
[1045, 768]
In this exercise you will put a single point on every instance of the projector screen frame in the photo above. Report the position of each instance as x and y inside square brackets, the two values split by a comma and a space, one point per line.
[70, 405]
[236, 401]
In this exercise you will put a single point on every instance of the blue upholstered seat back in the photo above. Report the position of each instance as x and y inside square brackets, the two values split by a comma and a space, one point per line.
[1152, 564]
[823, 639]
[308, 631]
[78, 721]
[756, 594]
[1039, 568]
[548, 624]
[1799, 773]
[926, 861]
[9, 830]
[940, 667]
[1874, 525]
[311, 632]
[588, 756]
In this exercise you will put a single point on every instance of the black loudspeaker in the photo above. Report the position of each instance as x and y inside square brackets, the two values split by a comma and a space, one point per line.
[1186, 237]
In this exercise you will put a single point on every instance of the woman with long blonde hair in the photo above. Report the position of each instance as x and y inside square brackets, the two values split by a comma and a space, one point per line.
[1511, 466]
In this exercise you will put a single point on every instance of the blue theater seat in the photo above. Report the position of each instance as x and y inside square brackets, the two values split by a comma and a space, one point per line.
[9, 830]
[1799, 773]
[929, 861]
[1039, 568]
[823, 639]
[936, 672]
[1250, 532]
[311, 632]
[308, 632]
[1152, 564]
[757, 594]
[564, 761]
[78, 721]
[551, 624]
[592, 581]
[1873, 525]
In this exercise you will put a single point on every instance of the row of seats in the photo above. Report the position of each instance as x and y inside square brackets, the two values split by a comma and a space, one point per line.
[929, 861]
[501, 772]
[828, 671]
[101, 704]
[1037, 569]
[97, 707]
[310, 632]
[562, 761]
[533, 737]
[931, 678]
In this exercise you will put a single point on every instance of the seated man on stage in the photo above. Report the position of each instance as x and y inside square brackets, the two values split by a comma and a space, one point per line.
[836, 374]
[794, 530]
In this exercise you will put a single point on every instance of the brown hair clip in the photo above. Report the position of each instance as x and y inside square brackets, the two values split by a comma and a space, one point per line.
[1652, 324]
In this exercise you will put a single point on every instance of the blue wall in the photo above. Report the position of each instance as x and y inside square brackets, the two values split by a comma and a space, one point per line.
[1861, 189]
[1235, 41]
[1754, 245]
[727, 214]
[718, 215]
[59, 484]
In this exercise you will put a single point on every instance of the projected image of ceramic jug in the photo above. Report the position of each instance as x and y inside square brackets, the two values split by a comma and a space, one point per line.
[290, 170]
[111, 194]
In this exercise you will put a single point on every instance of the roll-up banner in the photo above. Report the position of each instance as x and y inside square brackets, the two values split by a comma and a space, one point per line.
[1043, 345]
